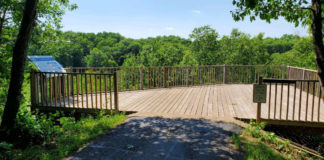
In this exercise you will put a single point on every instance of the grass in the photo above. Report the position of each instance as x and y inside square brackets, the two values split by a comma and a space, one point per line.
[254, 149]
[73, 135]
[259, 144]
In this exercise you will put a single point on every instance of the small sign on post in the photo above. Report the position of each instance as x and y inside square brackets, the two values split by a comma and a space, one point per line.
[259, 96]
[259, 93]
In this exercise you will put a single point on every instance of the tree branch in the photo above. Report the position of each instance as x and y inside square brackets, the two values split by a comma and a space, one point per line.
[305, 8]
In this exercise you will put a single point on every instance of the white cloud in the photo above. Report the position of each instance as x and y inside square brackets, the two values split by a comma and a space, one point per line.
[169, 28]
[196, 11]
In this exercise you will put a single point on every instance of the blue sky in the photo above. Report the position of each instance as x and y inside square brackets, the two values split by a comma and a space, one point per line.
[150, 18]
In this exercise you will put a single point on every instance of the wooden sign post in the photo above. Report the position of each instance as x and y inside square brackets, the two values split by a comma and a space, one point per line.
[259, 96]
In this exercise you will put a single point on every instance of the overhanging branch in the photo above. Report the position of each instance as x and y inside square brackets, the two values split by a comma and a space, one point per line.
[306, 8]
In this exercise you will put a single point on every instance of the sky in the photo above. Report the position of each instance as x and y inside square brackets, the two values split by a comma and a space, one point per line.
[150, 18]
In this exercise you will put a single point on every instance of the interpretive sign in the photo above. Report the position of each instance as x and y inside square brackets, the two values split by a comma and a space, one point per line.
[46, 64]
[259, 93]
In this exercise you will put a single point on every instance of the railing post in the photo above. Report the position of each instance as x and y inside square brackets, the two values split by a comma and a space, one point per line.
[288, 72]
[304, 73]
[116, 91]
[32, 90]
[283, 71]
[164, 77]
[141, 77]
[258, 117]
[187, 75]
[224, 74]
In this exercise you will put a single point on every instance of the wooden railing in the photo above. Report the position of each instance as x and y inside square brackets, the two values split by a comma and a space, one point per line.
[74, 90]
[136, 78]
[301, 73]
[294, 94]
[293, 100]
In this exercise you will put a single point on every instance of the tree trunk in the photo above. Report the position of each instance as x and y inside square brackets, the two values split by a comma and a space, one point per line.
[17, 69]
[318, 38]
[2, 20]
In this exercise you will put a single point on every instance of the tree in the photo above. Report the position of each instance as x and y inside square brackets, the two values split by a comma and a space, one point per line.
[97, 58]
[301, 55]
[295, 11]
[17, 69]
[188, 60]
[204, 45]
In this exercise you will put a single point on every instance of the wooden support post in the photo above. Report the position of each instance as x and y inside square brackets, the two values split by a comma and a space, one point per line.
[187, 76]
[77, 116]
[224, 74]
[32, 90]
[258, 117]
[304, 73]
[288, 72]
[164, 77]
[141, 77]
[283, 71]
[116, 91]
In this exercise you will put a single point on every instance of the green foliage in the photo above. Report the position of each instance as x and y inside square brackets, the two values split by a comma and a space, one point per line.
[6, 150]
[188, 60]
[205, 45]
[69, 137]
[268, 10]
[97, 58]
[257, 144]
[236, 139]
[255, 129]
[301, 55]
[260, 151]
[253, 148]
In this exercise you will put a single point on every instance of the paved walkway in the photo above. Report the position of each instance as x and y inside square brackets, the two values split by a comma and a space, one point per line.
[163, 139]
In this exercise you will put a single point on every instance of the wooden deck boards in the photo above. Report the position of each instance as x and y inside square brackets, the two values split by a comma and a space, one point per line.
[216, 101]
[210, 101]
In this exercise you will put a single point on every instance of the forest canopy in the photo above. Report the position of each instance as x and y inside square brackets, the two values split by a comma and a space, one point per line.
[204, 47]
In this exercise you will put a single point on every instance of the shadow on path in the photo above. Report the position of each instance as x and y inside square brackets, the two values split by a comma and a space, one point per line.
[163, 139]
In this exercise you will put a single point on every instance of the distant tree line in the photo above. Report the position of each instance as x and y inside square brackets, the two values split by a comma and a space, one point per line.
[204, 47]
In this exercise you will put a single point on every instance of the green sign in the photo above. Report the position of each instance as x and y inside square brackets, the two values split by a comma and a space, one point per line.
[259, 93]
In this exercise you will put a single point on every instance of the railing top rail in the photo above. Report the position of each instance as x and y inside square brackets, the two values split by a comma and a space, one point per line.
[286, 81]
[110, 74]
[234, 65]
[311, 70]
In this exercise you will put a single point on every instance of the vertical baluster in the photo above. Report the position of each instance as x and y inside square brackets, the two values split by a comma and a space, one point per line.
[110, 92]
[306, 114]
[288, 92]
[86, 89]
[46, 89]
[106, 100]
[41, 76]
[100, 91]
[36, 87]
[300, 99]
[59, 89]
[55, 90]
[81, 75]
[63, 89]
[77, 88]
[68, 89]
[280, 110]
[149, 77]
[313, 101]
[72, 89]
[319, 102]
[294, 101]
[269, 101]
[91, 90]
[275, 102]
[96, 97]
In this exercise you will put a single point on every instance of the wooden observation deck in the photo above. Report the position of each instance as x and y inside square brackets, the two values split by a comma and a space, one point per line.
[294, 96]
